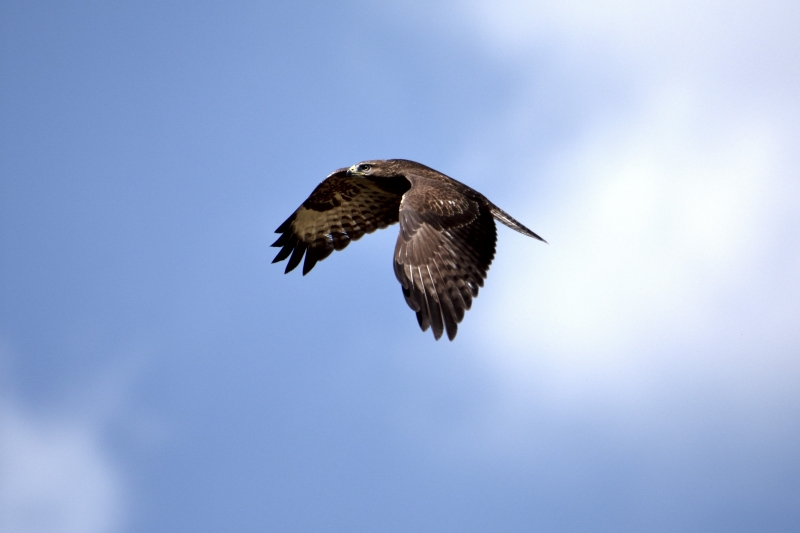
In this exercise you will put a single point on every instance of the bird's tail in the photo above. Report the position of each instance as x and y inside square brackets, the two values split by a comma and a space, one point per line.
[509, 221]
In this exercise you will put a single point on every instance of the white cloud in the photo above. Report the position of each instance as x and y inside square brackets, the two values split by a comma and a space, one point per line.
[660, 35]
[58, 473]
[55, 475]
[516, 23]
[656, 219]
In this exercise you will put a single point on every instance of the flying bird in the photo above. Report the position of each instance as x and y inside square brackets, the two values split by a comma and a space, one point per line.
[446, 241]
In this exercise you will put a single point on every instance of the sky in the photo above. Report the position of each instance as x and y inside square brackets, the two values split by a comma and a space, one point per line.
[638, 373]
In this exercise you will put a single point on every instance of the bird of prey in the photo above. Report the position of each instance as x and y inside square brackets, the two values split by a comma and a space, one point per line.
[444, 247]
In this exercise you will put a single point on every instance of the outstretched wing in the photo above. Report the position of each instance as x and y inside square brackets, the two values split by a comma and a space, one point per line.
[341, 209]
[445, 246]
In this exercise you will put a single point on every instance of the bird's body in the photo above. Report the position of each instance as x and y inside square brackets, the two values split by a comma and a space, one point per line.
[446, 241]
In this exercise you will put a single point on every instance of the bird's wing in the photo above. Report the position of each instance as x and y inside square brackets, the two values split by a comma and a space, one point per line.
[341, 209]
[445, 246]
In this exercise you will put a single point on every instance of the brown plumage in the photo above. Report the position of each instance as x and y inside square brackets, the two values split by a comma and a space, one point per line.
[446, 241]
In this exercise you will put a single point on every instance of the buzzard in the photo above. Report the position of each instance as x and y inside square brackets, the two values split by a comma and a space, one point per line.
[446, 241]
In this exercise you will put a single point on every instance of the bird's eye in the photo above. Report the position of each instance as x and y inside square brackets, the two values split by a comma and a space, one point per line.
[364, 168]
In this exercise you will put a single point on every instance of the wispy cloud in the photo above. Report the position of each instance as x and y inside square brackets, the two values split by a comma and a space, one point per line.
[57, 470]
[57, 475]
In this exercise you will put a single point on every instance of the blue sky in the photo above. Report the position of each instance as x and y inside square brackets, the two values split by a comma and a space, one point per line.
[639, 373]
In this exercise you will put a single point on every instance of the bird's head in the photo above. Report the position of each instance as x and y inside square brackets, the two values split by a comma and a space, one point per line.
[378, 168]
[388, 174]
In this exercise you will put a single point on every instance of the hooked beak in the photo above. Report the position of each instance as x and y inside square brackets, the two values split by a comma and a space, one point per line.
[352, 171]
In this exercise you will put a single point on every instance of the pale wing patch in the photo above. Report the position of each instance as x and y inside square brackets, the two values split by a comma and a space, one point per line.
[319, 229]
[370, 210]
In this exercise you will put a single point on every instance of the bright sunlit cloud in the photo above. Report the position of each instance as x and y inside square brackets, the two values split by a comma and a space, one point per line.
[658, 214]
[658, 218]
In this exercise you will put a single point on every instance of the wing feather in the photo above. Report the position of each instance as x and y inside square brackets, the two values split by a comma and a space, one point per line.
[444, 249]
[341, 209]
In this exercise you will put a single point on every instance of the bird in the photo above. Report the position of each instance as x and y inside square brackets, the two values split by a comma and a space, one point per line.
[445, 244]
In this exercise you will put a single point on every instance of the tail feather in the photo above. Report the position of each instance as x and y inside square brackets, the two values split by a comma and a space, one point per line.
[509, 221]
